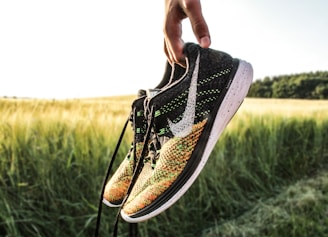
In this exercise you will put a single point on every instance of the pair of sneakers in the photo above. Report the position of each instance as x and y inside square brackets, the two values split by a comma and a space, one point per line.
[176, 126]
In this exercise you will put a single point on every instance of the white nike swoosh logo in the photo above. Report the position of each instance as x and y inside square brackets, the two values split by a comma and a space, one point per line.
[184, 127]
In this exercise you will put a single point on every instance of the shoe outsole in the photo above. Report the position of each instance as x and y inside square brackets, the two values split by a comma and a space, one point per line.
[233, 99]
[109, 204]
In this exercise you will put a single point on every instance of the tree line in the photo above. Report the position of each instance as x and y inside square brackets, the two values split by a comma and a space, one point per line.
[312, 85]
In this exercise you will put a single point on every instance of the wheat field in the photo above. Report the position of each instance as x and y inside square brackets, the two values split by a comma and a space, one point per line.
[267, 175]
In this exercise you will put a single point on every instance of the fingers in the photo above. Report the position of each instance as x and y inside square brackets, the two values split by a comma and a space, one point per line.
[173, 31]
[176, 11]
[193, 11]
[173, 46]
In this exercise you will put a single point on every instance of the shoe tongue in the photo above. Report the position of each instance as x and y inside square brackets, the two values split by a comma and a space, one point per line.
[141, 93]
[152, 92]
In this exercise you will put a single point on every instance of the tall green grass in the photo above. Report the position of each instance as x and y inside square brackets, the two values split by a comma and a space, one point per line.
[266, 177]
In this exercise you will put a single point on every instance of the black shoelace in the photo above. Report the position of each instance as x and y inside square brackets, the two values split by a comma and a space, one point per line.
[133, 227]
[107, 176]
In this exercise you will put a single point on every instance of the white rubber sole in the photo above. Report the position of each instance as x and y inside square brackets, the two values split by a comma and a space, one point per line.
[107, 203]
[230, 104]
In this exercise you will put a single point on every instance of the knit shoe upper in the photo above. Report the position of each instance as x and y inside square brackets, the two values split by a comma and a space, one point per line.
[187, 118]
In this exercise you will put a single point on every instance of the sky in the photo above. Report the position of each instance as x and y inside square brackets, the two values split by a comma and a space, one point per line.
[81, 48]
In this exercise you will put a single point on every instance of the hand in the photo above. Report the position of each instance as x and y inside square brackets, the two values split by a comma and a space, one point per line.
[175, 12]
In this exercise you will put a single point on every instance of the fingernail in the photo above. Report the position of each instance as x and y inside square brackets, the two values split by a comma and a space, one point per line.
[205, 42]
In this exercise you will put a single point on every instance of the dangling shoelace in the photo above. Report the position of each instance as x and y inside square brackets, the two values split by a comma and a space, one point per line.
[107, 176]
[138, 168]
[133, 230]
[131, 118]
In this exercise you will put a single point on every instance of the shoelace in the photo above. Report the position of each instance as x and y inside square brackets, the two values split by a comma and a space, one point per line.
[133, 230]
[137, 170]
[131, 118]
[107, 176]
[153, 155]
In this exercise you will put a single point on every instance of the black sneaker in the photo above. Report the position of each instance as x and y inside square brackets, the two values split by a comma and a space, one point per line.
[188, 117]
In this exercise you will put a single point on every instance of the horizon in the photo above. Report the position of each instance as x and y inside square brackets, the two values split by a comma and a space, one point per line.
[132, 94]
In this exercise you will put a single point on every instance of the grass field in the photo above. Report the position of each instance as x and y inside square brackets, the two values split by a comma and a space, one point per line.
[268, 174]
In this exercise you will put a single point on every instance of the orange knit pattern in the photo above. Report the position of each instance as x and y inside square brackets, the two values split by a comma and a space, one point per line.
[117, 186]
[173, 158]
